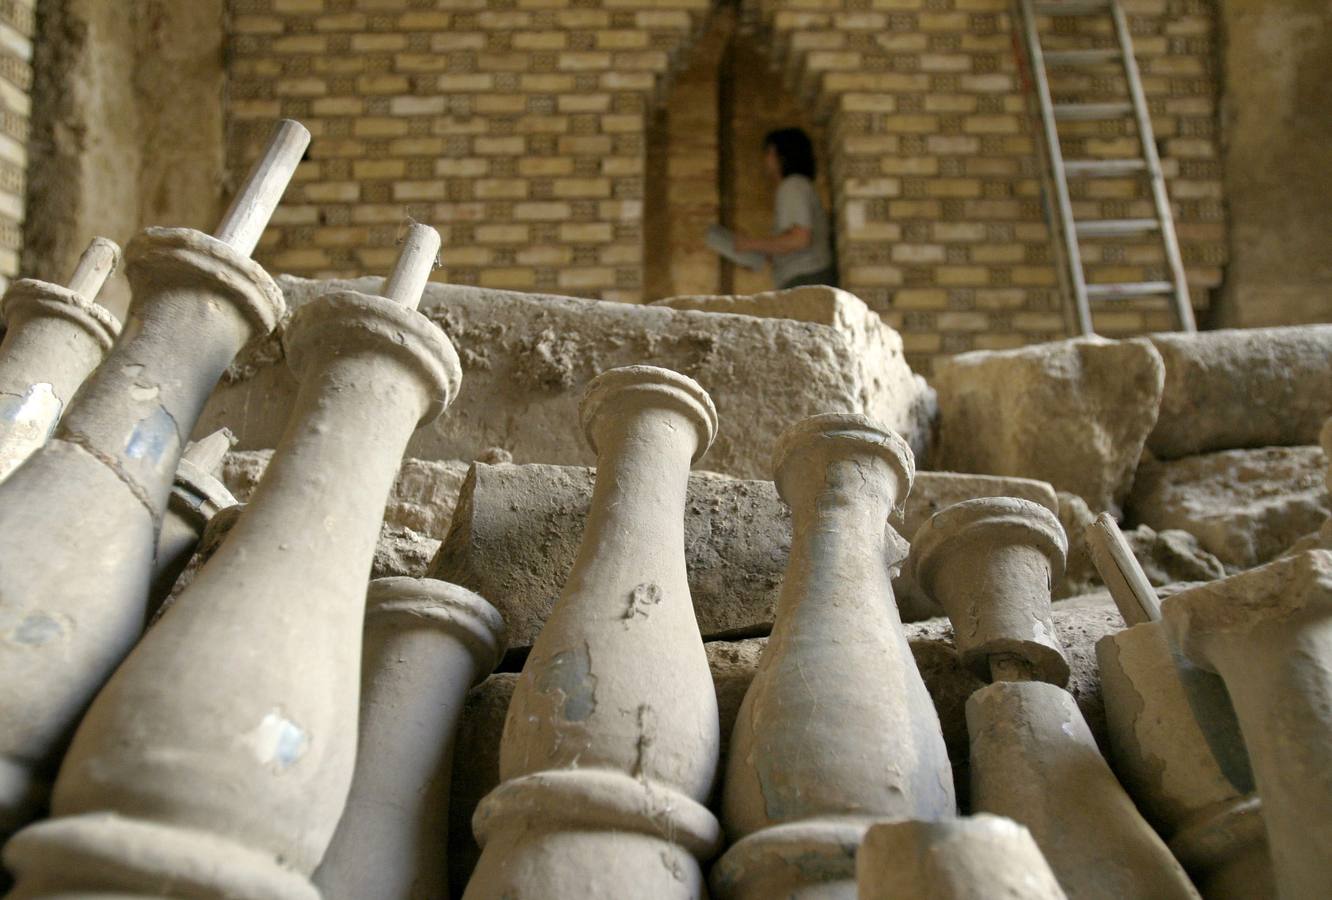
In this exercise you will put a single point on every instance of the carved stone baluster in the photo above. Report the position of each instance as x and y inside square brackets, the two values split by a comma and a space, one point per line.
[426, 643]
[1268, 633]
[54, 337]
[196, 497]
[837, 730]
[1174, 740]
[81, 517]
[611, 740]
[976, 858]
[217, 759]
[990, 564]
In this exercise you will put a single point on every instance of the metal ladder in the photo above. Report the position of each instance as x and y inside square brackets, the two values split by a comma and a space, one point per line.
[1058, 170]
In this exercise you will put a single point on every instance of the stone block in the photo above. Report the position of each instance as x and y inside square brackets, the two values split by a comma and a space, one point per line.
[517, 529]
[1075, 413]
[1080, 623]
[1242, 389]
[885, 378]
[1244, 506]
[527, 357]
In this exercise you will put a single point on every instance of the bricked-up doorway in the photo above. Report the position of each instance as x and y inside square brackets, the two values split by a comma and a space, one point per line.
[705, 161]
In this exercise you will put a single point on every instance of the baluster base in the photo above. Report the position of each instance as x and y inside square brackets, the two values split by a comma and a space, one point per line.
[810, 859]
[588, 834]
[106, 855]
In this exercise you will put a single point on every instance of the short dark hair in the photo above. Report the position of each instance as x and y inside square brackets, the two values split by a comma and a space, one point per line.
[795, 151]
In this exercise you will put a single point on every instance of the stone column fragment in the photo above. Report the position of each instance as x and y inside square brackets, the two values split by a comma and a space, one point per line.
[54, 336]
[1033, 759]
[991, 563]
[216, 761]
[611, 741]
[1177, 750]
[975, 858]
[81, 517]
[197, 495]
[1268, 633]
[426, 643]
[815, 757]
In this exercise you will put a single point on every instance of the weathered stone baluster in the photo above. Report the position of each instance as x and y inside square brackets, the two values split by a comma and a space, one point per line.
[837, 730]
[197, 495]
[1268, 633]
[217, 759]
[990, 564]
[81, 517]
[975, 858]
[54, 337]
[1174, 740]
[611, 739]
[426, 643]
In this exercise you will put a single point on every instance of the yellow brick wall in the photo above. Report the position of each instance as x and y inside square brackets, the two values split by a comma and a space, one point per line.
[16, 30]
[518, 127]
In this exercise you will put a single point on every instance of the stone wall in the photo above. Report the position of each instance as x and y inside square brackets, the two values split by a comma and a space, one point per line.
[1278, 128]
[16, 28]
[520, 130]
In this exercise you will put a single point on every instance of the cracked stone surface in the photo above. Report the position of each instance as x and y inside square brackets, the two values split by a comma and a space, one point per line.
[1244, 506]
[526, 358]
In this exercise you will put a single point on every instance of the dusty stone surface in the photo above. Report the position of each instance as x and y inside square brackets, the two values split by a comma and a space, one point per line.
[517, 531]
[611, 741]
[426, 643]
[1244, 506]
[1080, 622]
[280, 608]
[526, 358]
[1166, 556]
[1242, 389]
[972, 858]
[886, 380]
[1074, 413]
[1266, 633]
[1033, 760]
[810, 746]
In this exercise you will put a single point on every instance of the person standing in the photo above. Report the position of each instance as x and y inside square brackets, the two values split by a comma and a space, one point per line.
[800, 247]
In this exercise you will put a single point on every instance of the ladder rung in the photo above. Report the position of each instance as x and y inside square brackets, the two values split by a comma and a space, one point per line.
[1081, 57]
[1094, 228]
[1087, 112]
[1071, 7]
[1103, 168]
[1128, 290]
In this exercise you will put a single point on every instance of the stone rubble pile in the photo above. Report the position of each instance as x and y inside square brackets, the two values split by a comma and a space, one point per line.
[418, 634]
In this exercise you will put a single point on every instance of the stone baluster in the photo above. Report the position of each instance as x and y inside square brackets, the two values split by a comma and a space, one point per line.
[197, 495]
[974, 858]
[217, 759]
[1268, 633]
[426, 643]
[990, 564]
[81, 517]
[1325, 438]
[837, 730]
[54, 336]
[611, 740]
[1173, 738]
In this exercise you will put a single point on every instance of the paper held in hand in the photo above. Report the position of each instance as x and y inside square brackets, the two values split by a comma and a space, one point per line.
[722, 241]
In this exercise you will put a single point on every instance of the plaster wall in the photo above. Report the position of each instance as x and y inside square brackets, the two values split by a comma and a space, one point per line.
[1278, 163]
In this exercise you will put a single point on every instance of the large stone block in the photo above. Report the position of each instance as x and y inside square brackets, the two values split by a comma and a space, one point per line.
[884, 375]
[517, 529]
[1074, 413]
[1240, 389]
[1244, 506]
[527, 357]
[1080, 623]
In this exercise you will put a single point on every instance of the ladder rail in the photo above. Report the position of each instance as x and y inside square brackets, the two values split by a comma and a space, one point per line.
[1082, 307]
[1183, 307]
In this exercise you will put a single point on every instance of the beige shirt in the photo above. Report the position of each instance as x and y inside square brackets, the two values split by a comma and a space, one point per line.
[798, 203]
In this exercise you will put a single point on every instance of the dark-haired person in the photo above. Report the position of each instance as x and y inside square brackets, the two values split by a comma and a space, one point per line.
[801, 243]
